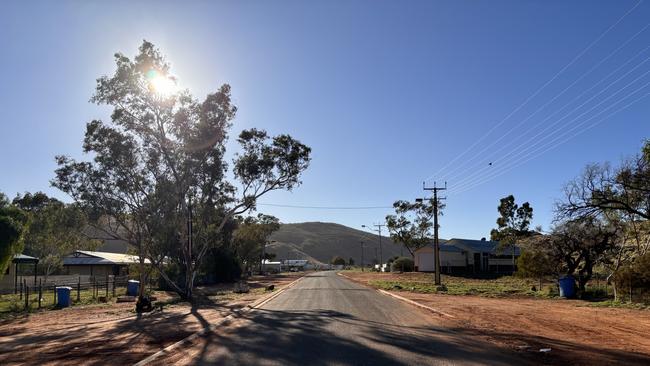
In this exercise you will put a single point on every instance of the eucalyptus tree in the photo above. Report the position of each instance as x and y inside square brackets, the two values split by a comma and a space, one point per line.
[12, 225]
[411, 225]
[157, 177]
[55, 229]
[250, 239]
[513, 224]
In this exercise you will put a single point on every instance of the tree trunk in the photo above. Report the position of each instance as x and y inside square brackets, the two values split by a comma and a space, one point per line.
[143, 279]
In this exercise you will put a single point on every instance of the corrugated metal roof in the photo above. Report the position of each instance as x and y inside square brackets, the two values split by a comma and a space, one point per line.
[22, 258]
[485, 246]
[87, 257]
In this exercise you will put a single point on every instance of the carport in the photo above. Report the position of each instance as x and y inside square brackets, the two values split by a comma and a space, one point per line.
[23, 259]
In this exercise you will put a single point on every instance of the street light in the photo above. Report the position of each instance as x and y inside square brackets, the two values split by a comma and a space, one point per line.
[381, 257]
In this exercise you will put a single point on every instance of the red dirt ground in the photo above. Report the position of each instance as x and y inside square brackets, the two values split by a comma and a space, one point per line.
[93, 334]
[577, 334]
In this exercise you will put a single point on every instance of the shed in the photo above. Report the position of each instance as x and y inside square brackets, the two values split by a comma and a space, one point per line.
[10, 278]
[85, 262]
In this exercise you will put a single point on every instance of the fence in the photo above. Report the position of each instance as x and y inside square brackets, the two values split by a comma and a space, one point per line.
[84, 289]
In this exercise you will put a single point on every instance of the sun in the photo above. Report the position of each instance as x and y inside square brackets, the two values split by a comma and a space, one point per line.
[161, 84]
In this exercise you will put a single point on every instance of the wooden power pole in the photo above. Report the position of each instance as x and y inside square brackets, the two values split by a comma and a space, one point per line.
[436, 241]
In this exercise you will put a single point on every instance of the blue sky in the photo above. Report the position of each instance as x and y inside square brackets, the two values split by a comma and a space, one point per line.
[386, 93]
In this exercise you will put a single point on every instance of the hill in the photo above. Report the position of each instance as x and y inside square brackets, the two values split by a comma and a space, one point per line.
[320, 241]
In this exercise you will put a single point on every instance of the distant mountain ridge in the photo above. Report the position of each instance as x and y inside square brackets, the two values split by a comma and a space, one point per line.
[315, 241]
[320, 241]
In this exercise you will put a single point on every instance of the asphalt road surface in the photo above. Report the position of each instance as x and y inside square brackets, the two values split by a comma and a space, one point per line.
[328, 320]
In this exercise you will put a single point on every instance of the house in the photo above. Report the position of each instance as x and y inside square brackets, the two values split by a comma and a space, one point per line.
[468, 256]
[84, 262]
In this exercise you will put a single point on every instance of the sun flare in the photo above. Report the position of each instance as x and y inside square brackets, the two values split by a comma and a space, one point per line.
[161, 84]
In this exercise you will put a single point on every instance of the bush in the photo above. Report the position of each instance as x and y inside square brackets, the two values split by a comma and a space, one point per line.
[635, 275]
[534, 264]
[402, 264]
[338, 261]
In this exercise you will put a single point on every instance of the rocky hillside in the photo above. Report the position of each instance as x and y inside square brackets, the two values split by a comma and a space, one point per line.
[320, 241]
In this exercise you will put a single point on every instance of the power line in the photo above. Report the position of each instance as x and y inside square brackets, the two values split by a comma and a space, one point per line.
[326, 207]
[502, 171]
[536, 92]
[503, 147]
[480, 155]
[526, 145]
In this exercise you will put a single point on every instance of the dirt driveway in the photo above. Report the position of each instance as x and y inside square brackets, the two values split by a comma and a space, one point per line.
[112, 333]
[576, 333]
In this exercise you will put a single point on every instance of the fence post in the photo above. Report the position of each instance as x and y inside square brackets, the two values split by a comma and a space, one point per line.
[106, 286]
[21, 290]
[54, 290]
[113, 286]
[40, 291]
[26, 296]
[630, 290]
[79, 289]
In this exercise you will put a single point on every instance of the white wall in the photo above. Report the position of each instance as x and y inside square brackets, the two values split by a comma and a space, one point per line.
[424, 259]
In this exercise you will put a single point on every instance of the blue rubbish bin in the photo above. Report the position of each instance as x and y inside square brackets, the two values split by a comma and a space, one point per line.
[567, 287]
[132, 287]
[63, 296]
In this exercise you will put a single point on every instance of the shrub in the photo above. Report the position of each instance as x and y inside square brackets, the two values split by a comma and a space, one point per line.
[635, 276]
[402, 264]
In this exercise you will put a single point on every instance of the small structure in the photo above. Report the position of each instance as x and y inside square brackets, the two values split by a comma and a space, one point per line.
[84, 262]
[295, 264]
[273, 267]
[468, 256]
[10, 278]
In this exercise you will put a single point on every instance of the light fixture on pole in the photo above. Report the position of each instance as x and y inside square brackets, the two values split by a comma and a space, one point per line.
[378, 230]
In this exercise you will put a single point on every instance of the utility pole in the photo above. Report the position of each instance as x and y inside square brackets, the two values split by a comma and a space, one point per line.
[378, 230]
[436, 241]
[381, 256]
[361, 255]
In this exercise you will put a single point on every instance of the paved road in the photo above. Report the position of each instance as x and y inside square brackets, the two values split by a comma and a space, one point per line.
[328, 320]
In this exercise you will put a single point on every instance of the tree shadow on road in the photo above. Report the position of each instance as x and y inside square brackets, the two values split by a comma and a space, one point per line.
[318, 338]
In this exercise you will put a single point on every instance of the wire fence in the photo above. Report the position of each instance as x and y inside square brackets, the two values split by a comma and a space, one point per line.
[87, 289]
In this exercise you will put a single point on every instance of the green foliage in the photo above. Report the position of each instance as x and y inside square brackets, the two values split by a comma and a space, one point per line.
[402, 264]
[351, 261]
[412, 224]
[578, 245]
[13, 221]
[338, 261]
[55, 229]
[251, 236]
[513, 222]
[534, 263]
[635, 274]
[222, 265]
[161, 160]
